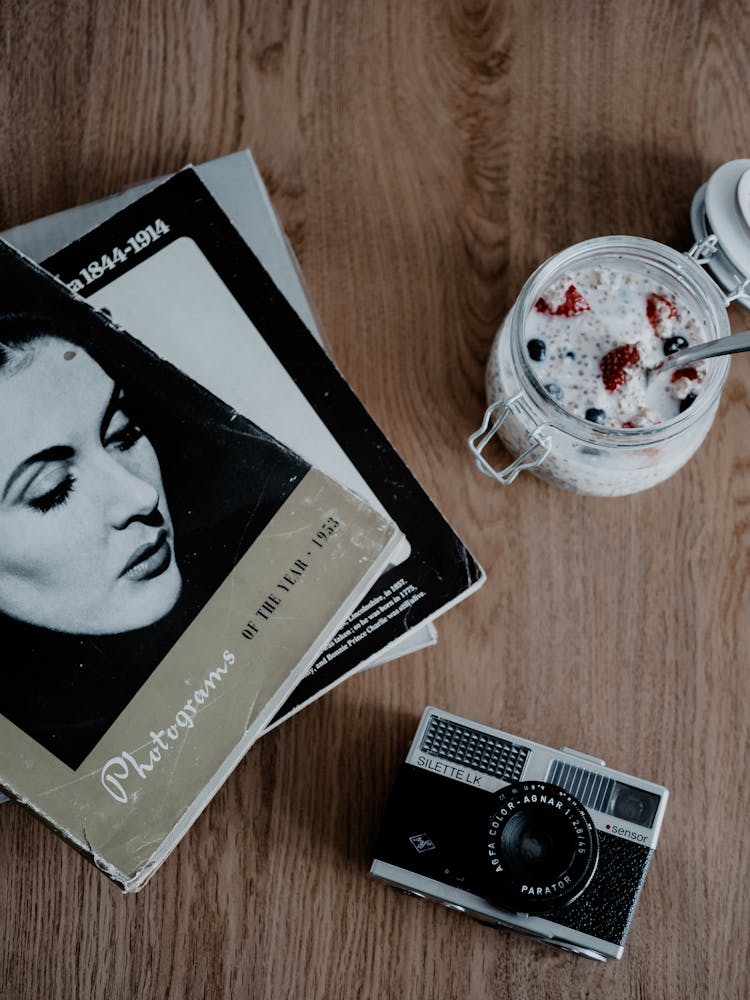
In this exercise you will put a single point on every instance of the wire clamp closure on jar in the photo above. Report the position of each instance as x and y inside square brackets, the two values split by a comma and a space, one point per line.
[539, 448]
[702, 251]
[739, 292]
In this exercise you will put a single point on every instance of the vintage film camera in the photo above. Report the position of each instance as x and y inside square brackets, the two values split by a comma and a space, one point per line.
[547, 842]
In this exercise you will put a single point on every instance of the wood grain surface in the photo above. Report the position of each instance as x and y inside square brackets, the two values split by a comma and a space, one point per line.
[424, 157]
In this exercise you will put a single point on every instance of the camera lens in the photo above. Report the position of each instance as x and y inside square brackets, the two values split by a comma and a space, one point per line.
[541, 848]
[537, 847]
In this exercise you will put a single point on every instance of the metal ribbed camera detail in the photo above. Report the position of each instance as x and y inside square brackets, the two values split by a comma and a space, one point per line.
[551, 843]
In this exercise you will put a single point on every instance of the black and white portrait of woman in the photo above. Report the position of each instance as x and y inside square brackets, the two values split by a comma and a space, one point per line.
[86, 538]
[127, 494]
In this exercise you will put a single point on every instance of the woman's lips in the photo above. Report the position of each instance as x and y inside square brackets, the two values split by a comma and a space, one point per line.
[149, 561]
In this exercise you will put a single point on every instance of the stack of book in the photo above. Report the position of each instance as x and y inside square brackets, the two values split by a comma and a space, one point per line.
[201, 527]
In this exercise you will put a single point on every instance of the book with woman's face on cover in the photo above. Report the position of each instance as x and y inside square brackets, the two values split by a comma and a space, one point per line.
[279, 375]
[168, 571]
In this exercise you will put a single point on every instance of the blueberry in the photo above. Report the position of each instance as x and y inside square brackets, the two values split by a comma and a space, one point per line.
[571, 355]
[555, 392]
[537, 350]
[672, 344]
[595, 415]
[687, 402]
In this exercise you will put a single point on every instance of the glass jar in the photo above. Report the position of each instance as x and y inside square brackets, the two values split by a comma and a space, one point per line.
[566, 449]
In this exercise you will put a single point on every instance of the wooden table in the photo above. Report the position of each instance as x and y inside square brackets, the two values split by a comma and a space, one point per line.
[424, 157]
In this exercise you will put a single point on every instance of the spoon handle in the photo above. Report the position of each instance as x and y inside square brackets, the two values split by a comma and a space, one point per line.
[724, 345]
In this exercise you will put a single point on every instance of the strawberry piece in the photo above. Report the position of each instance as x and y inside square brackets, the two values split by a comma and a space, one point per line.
[658, 309]
[628, 423]
[688, 372]
[573, 304]
[614, 364]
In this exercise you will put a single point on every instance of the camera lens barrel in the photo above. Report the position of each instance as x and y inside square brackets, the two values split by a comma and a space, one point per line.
[541, 848]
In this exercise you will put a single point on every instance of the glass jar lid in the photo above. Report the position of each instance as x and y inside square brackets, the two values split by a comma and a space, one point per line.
[720, 219]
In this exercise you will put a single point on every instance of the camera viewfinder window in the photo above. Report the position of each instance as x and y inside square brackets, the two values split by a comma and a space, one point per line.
[634, 805]
[597, 791]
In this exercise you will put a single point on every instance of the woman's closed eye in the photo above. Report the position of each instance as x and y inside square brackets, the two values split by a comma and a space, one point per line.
[55, 496]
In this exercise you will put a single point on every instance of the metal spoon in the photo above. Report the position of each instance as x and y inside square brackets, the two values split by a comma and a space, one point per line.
[712, 349]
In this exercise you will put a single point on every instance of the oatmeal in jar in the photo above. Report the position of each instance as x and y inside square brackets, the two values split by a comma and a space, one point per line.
[593, 336]
[571, 387]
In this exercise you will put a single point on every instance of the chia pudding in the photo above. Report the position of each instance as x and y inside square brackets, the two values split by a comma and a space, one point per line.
[567, 377]
[594, 335]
